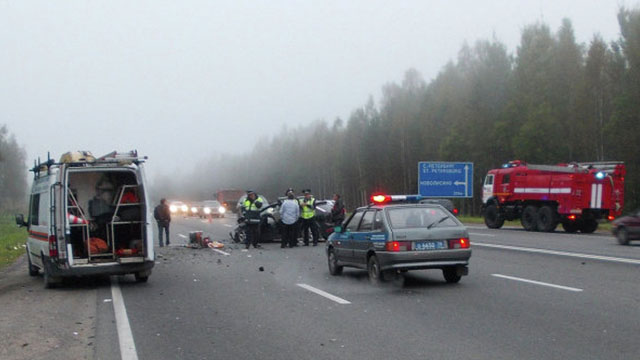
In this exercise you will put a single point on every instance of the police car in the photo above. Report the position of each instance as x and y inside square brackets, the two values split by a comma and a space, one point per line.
[396, 233]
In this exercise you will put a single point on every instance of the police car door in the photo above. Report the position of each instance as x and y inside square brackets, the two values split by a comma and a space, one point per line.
[362, 238]
[345, 252]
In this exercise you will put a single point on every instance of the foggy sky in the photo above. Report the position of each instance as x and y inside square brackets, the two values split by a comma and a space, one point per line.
[181, 80]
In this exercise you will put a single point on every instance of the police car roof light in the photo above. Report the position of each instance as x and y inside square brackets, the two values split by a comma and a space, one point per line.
[383, 199]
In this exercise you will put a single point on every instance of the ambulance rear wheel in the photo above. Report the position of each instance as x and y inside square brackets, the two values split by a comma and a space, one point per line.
[33, 270]
[589, 226]
[50, 281]
[529, 218]
[492, 218]
[141, 277]
[570, 227]
[547, 219]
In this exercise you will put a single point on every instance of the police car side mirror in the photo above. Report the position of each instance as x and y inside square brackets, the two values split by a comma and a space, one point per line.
[337, 229]
[20, 220]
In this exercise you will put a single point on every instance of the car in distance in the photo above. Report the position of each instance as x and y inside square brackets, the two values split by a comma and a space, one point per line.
[446, 203]
[212, 208]
[627, 228]
[178, 208]
[397, 234]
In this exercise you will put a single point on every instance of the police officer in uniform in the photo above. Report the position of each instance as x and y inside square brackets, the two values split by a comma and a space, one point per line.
[251, 212]
[308, 213]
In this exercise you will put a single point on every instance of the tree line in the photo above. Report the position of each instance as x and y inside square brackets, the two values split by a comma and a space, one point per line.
[552, 101]
[13, 173]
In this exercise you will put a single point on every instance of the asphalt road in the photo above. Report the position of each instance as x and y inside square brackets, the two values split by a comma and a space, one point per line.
[519, 302]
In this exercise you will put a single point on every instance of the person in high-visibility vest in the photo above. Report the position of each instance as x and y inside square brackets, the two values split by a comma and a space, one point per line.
[251, 212]
[307, 214]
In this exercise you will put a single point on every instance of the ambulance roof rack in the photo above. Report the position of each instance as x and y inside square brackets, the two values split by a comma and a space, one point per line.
[129, 156]
[39, 166]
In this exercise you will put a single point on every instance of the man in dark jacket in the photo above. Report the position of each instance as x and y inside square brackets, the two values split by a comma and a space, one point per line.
[337, 211]
[162, 214]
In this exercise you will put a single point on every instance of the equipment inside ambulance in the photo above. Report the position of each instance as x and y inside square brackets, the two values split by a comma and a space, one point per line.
[89, 216]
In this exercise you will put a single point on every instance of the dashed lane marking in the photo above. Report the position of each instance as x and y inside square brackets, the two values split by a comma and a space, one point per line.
[228, 225]
[182, 236]
[537, 282]
[559, 253]
[221, 252]
[125, 336]
[324, 294]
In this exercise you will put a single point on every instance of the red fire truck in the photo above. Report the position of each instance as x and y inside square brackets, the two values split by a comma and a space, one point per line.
[575, 195]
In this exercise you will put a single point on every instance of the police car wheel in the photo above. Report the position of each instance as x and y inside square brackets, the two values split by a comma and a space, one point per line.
[334, 268]
[451, 275]
[373, 267]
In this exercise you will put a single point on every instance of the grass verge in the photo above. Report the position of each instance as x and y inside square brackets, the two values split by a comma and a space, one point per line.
[12, 240]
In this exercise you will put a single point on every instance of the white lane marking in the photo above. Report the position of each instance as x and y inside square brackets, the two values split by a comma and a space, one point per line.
[228, 225]
[125, 336]
[481, 234]
[560, 253]
[325, 294]
[221, 252]
[537, 282]
[182, 236]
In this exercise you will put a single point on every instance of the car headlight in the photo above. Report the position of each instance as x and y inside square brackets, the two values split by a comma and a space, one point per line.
[207, 211]
[222, 210]
[173, 208]
[184, 208]
[194, 209]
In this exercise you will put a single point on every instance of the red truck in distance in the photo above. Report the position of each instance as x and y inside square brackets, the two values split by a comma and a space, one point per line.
[575, 195]
[229, 197]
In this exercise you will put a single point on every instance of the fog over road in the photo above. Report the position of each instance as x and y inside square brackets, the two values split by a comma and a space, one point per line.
[518, 302]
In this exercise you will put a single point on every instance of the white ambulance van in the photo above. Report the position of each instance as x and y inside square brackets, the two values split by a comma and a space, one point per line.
[89, 216]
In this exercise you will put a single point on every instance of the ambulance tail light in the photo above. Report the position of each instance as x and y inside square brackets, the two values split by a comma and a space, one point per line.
[395, 246]
[53, 246]
[461, 243]
[611, 217]
[455, 211]
[571, 217]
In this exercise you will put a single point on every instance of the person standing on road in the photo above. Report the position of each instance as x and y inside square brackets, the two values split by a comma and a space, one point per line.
[251, 212]
[337, 211]
[308, 214]
[289, 214]
[162, 214]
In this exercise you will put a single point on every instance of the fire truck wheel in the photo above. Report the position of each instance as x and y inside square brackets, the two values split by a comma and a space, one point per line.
[529, 217]
[546, 220]
[589, 226]
[623, 236]
[492, 218]
[570, 227]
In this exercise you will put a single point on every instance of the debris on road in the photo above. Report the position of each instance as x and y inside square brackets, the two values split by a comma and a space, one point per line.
[261, 268]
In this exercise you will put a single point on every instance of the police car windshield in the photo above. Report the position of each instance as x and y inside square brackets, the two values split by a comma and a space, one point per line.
[419, 217]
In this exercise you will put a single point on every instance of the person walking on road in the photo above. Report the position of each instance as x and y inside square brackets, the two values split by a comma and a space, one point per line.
[251, 212]
[337, 211]
[289, 214]
[308, 214]
[162, 214]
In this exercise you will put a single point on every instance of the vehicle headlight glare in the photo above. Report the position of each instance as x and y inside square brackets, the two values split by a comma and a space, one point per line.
[222, 210]
[173, 208]
[184, 208]
[194, 209]
[207, 211]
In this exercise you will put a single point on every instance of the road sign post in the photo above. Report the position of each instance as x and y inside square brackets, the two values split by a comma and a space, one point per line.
[445, 179]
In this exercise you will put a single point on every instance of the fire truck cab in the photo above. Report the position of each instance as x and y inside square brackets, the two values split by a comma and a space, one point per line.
[89, 216]
[575, 195]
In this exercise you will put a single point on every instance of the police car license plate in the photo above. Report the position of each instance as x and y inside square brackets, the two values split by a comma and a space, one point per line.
[429, 245]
